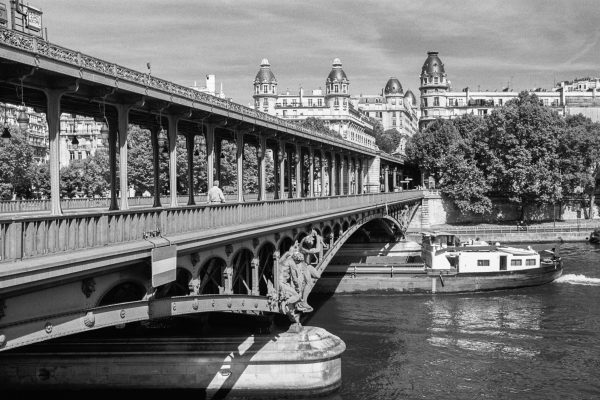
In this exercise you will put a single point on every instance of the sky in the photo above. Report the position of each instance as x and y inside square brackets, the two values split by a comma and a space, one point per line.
[484, 45]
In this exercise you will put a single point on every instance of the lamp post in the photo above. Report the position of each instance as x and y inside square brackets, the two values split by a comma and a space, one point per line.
[6, 131]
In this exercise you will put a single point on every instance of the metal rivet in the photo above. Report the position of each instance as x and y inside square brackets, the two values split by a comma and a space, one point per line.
[89, 320]
[174, 306]
[195, 305]
[48, 327]
[122, 314]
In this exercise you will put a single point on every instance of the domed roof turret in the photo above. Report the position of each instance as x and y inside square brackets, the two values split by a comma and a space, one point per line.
[410, 98]
[393, 86]
[433, 65]
[265, 75]
[337, 74]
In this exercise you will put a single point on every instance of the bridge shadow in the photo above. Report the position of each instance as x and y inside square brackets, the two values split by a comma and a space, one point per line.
[136, 358]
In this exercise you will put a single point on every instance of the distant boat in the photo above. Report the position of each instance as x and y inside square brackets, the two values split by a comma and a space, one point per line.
[595, 236]
[445, 265]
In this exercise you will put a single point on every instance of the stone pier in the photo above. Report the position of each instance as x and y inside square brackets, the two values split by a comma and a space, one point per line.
[306, 363]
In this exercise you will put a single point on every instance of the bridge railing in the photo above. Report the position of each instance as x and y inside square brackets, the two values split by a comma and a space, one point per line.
[23, 237]
[19, 206]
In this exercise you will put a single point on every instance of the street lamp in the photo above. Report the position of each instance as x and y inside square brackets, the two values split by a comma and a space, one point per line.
[23, 117]
[6, 131]
[6, 135]
[104, 131]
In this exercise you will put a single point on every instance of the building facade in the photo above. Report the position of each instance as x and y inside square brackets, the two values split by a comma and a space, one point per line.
[438, 100]
[210, 87]
[332, 106]
[394, 108]
[79, 136]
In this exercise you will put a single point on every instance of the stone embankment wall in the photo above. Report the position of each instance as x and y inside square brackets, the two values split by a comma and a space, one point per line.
[439, 214]
[437, 211]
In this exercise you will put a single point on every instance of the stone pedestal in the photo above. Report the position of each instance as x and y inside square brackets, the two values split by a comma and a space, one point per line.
[303, 363]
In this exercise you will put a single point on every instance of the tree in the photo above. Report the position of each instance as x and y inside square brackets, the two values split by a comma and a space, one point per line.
[16, 162]
[443, 149]
[430, 147]
[318, 125]
[579, 148]
[389, 140]
[523, 140]
[40, 180]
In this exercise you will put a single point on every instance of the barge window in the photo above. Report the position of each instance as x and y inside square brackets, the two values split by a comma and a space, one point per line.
[516, 263]
[483, 263]
[530, 261]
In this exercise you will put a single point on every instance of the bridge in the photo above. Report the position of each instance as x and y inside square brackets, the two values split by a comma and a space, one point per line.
[67, 269]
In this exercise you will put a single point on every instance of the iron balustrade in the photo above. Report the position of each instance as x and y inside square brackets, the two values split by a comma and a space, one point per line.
[23, 236]
[19, 206]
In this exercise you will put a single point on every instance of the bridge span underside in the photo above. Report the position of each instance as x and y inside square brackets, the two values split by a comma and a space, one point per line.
[226, 267]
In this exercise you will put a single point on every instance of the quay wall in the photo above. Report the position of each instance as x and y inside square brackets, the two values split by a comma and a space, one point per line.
[443, 211]
[437, 210]
[493, 236]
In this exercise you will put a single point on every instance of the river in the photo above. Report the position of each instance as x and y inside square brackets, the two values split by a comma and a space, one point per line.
[531, 343]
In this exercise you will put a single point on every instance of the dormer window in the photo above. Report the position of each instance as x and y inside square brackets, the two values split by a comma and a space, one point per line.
[265, 89]
[335, 88]
[435, 80]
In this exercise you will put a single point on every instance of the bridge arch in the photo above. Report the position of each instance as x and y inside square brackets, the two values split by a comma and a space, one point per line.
[345, 226]
[337, 231]
[347, 234]
[211, 275]
[241, 271]
[265, 267]
[284, 244]
[301, 235]
[124, 291]
[179, 287]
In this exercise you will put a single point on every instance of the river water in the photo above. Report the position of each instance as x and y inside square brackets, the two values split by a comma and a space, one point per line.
[532, 343]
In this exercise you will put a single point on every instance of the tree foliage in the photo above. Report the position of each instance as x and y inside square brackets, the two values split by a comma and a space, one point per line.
[16, 167]
[318, 125]
[523, 151]
[387, 140]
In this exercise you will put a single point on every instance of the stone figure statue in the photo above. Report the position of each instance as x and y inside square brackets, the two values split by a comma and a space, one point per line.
[296, 272]
[312, 246]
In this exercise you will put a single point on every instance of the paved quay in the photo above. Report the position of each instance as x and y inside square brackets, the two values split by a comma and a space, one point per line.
[547, 231]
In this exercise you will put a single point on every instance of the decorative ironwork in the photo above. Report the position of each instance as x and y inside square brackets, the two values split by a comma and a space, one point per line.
[88, 286]
[90, 319]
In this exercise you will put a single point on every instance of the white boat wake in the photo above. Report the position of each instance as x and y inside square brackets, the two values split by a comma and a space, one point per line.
[577, 279]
